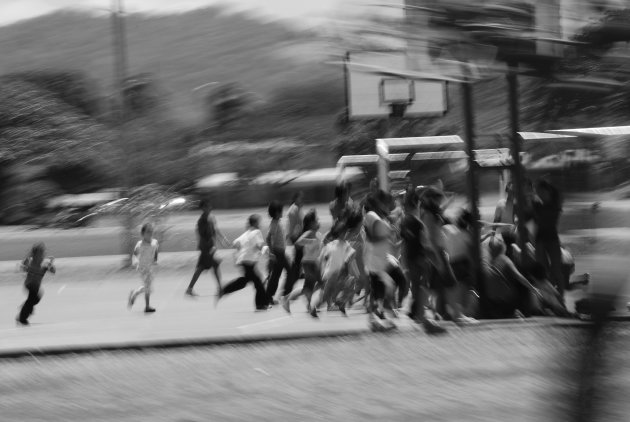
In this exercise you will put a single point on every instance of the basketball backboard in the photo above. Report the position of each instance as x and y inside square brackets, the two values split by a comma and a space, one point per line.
[371, 95]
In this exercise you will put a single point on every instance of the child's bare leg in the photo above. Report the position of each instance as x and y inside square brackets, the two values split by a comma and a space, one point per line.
[316, 300]
[295, 294]
[137, 292]
[452, 302]
[194, 279]
[217, 275]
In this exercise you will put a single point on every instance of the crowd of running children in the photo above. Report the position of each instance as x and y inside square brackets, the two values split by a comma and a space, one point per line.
[377, 253]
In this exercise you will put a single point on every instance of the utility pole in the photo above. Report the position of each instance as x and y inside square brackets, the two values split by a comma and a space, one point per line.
[119, 38]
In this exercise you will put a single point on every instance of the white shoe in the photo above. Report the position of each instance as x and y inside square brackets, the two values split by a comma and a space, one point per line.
[464, 320]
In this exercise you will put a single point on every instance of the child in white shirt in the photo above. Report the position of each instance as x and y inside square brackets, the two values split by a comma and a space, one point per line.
[145, 254]
[249, 248]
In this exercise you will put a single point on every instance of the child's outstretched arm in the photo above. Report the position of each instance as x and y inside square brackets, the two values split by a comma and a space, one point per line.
[51, 265]
[24, 264]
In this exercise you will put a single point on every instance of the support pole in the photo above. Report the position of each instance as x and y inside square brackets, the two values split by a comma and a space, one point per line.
[383, 172]
[517, 168]
[473, 194]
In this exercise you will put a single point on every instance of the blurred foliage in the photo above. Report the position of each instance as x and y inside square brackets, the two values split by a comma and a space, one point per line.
[302, 110]
[229, 103]
[42, 128]
[151, 203]
[73, 152]
[143, 95]
[183, 50]
[36, 126]
[69, 86]
[613, 27]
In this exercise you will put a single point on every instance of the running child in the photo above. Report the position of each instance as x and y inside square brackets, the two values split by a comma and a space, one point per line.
[277, 248]
[207, 234]
[355, 235]
[145, 254]
[377, 251]
[35, 269]
[311, 241]
[338, 270]
[249, 246]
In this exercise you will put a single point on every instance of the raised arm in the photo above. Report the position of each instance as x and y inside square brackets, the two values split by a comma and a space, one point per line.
[516, 274]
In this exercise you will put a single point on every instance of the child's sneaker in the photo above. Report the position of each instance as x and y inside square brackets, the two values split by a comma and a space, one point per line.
[388, 324]
[432, 327]
[149, 310]
[314, 313]
[342, 309]
[21, 321]
[464, 320]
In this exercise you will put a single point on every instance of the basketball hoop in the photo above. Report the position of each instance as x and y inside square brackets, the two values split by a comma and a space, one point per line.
[398, 109]
[398, 94]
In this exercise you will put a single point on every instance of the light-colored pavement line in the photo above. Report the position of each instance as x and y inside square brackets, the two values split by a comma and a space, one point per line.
[263, 323]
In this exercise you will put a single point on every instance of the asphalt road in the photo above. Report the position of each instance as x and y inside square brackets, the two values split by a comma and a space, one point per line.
[506, 374]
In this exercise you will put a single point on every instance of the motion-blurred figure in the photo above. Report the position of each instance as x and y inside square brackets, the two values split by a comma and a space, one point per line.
[249, 246]
[277, 247]
[311, 242]
[547, 207]
[146, 254]
[35, 269]
[295, 219]
[207, 232]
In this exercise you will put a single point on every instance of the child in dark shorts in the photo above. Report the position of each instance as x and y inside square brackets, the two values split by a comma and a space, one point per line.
[207, 232]
[35, 269]
[311, 242]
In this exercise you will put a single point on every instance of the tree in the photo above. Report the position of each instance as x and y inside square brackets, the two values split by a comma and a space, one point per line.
[37, 128]
[227, 104]
[69, 86]
[143, 96]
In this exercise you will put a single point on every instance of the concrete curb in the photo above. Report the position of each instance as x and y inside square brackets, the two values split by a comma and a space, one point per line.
[176, 343]
[240, 340]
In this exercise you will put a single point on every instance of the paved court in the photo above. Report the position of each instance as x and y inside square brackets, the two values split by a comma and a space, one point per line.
[84, 307]
[87, 310]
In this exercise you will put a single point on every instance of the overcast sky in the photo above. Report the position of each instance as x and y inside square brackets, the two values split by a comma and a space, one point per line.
[14, 10]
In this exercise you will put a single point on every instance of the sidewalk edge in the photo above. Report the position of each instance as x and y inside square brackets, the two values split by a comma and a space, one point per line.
[269, 337]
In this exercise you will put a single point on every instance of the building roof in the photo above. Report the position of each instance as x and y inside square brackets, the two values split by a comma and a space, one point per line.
[389, 144]
[540, 136]
[595, 131]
